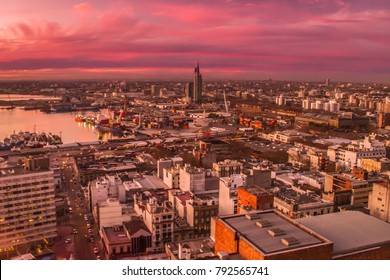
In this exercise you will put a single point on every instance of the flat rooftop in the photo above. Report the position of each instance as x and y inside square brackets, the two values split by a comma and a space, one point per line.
[13, 171]
[349, 231]
[260, 237]
[116, 235]
[151, 182]
[255, 190]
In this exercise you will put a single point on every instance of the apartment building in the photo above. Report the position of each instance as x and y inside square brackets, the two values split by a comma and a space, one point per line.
[27, 209]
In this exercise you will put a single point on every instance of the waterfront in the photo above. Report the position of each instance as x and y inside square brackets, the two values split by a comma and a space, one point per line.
[24, 97]
[62, 124]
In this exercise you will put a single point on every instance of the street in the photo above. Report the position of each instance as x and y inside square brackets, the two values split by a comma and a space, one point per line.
[73, 236]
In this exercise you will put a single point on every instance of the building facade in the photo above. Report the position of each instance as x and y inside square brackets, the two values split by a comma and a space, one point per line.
[27, 209]
[198, 84]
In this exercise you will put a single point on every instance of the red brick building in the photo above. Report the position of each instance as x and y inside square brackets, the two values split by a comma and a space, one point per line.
[254, 198]
[269, 235]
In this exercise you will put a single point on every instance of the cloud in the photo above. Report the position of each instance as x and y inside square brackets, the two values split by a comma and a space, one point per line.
[299, 38]
[83, 8]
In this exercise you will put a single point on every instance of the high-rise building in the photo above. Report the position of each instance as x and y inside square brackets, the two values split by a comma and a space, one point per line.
[190, 90]
[27, 208]
[155, 90]
[197, 84]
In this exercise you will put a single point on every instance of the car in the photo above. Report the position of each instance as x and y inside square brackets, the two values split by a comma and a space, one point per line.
[74, 231]
[67, 240]
[90, 230]
[92, 240]
[98, 257]
[88, 226]
[96, 250]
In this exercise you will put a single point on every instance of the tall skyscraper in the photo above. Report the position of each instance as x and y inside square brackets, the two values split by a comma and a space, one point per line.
[190, 90]
[197, 84]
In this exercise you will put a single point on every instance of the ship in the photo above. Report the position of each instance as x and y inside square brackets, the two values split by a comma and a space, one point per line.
[106, 124]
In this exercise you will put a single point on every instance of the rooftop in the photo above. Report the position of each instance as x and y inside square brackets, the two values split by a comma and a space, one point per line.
[255, 190]
[349, 231]
[13, 171]
[151, 182]
[268, 231]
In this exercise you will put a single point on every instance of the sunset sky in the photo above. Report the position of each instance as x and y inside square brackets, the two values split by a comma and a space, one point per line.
[231, 39]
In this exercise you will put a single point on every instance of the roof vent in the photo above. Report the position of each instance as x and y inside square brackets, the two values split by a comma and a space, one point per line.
[275, 232]
[223, 255]
[263, 224]
[290, 241]
[253, 217]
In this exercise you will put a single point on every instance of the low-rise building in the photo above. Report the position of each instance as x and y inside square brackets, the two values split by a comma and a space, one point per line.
[158, 215]
[268, 235]
[350, 154]
[198, 249]
[227, 167]
[110, 213]
[253, 198]
[358, 186]
[355, 236]
[375, 165]
[131, 238]
[192, 179]
[200, 210]
[298, 205]
[228, 191]
[379, 201]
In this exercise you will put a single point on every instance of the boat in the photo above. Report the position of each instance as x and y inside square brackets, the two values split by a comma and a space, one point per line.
[79, 118]
[106, 124]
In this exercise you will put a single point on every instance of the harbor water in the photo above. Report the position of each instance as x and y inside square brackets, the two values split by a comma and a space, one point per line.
[61, 124]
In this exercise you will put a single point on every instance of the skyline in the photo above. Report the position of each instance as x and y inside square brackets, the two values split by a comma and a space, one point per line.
[252, 40]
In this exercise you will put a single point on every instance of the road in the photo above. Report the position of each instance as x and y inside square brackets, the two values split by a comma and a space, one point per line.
[79, 246]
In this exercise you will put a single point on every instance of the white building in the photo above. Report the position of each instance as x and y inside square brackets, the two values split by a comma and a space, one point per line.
[280, 100]
[167, 163]
[192, 179]
[103, 188]
[110, 213]
[27, 209]
[228, 187]
[159, 219]
[227, 167]
[349, 155]
[379, 201]
[306, 104]
[171, 177]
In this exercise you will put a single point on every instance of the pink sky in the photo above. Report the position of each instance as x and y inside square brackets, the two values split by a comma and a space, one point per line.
[232, 39]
